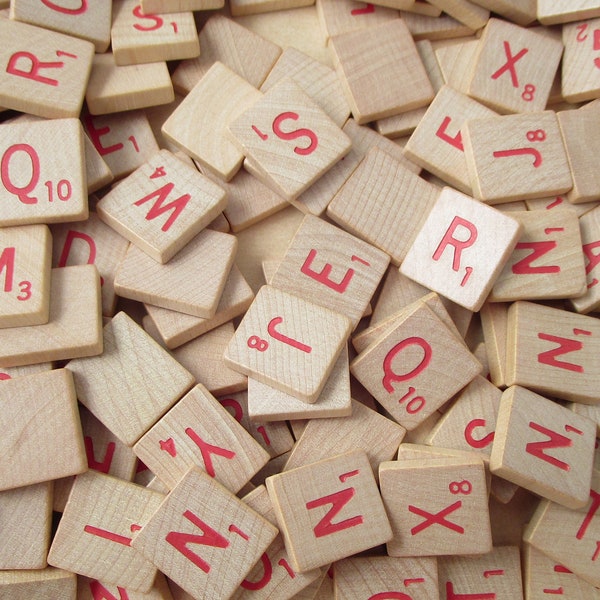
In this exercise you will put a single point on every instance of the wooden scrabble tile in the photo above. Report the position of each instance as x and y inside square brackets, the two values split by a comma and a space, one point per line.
[421, 7]
[177, 328]
[133, 376]
[392, 58]
[199, 123]
[399, 197]
[547, 261]
[470, 14]
[579, 76]
[433, 363]
[560, 202]
[528, 426]
[424, 27]
[91, 242]
[386, 576]
[278, 344]
[522, 12]
[428, 263]
[42, 402]
[124, 140]
[274, 437]
[265, 403]
[578, 128]
[113, 88]
[551, 13]
[470, 423]
[200, 502]
[529, 145]
[553, 352]
[25, 258]
[246, 53]
[316, 79]
[515, 68]
[168, 6]
[343, 16]
[590, 236]
[39, 185]
[436, 506]
[199, 431]
[252, 7]
[92, 589]
[544, 576]
[311, 539]
[88, 21]
[73, 328]
[288, 168]
[569, 536]
[139, 37]
[42, 584]
[203, 358]
[364, 429]
[38, 83]
[331, 267]
[172, 187]
[497, 575]
[7, 373]
[100, 518]
[25, 521]
[494, 317]
[208, 256]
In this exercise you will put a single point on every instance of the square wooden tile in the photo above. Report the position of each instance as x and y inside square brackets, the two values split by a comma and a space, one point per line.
[553, 352]
[199, 431]
[331, 267]
[158, 6]
[198, 125]
[42, 584]
[224, 532]
[100, 519]
[442, 27]
[73, 328]
[547, 261]
[289, 166]
[551, 13]
[456, 62]
[343, 16]
[529, 145]
[560, 203]
[139, 37]
[279, 344]
[38, 184]
[342, 483]
[7, 373]
[92, 589]
[580, 76]
[543, 447]
[48, 83]
[41, 402]
[590, 236]
[162, 205]
[240, 8]
[132, 383]
[381, 71]
[436, 143]
[459, 221]
[190, 282]
[416, 367]
[522, 12]
[25, 260]
[469, 13]
[436, 506]
[515, 68]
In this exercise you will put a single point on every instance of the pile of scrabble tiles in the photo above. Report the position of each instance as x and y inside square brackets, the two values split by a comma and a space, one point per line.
[297, 299]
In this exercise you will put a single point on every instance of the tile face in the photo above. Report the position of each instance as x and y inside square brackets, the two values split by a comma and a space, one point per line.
[550, 13]
[158, 6]
[42, 584]
[289, 139]
[580, 77]
[460, 229]
[343, 16]
[40, 404]
[48, 83]
[100, 518]
[199, 532]
[340, 484]
[590, 236]
[280, 342]
[38, 184]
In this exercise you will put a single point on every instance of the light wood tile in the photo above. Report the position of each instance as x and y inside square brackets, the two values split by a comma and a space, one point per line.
[494, 316]
[7, 373]
[343, 16]
[252, 7]
[92, 589]
[522, 12]
[469, 13]
[579, 76]
[560, 202]
[424, 27]
[590, 236]
[551, 13]
[167, 6]
[42, 584]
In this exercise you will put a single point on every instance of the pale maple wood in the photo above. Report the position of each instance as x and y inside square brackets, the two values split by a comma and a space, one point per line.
[101, 517]
[494, 316]
[414, 489]
[293, 492]
[295, 357]
[240, 8]
[343, 16]
[579, 77]
[468, 13]
[90, 589]
[198, 125]
[553, 352]
[560, 202]
[425, 27]
[209, 256]
[198, 500]
[590, 236]
[392, 57]
[422, 7]
[41, 584]
[7, 373]
[555, 12]
[133, 376]
[35, 177]
[246, 53]
[522, 12]
[169, 6]
[73, 328]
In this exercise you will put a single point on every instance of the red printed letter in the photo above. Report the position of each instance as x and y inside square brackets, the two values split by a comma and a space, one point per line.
[96, 134]
[99, 592]
[538, 249]
[565, 345]
[390, 376]
[103, 466]
[158, 22]
[453, 141]
[71, 236]
[158, 209]
[292, 135]
[484, 441]
[556, 441]
[451, 595]
[323, 275]
[7, 261]
[34, 67]
[67, 11]
[459, 245]
[207, 449]
[338, 500]
[264, 580]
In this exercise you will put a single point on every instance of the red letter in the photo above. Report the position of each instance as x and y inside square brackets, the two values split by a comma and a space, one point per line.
[209, 537]
[99, 592]
[592, 260]
[96, 134]
[264, 580]
[67, 11]
[595, 496]
[158, 209]
[538, 249]
[565, 345]
[390, 596]
[556, 441]
[238, 413]
[207, 449]
[323, 275]
[103, 466]
[158, 22]
[459, 245]
[7, 259]
[390, 376]
[453, 141]
[72, 235]
[338, 500]
[450, 595]
[34, 68]
[292, 135]
[484, 441]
